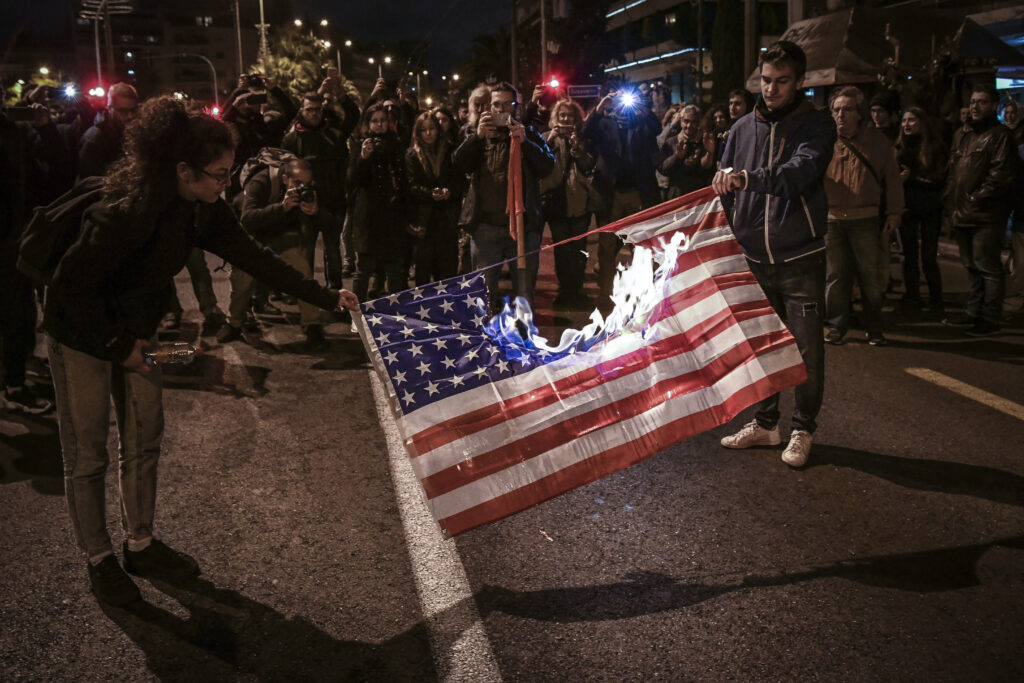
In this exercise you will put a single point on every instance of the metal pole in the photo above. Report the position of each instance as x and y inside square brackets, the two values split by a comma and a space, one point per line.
[264, 48]
[543, 41]
[338, 51]
[96, 35]
[515, 67]
[238, 37]
[213, 72]
[700, 52]
[110, 41]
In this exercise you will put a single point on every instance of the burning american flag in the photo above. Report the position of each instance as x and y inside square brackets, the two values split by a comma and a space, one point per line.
[496, 420]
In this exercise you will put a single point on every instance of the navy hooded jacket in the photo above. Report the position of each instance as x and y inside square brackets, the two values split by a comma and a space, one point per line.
[782, 213]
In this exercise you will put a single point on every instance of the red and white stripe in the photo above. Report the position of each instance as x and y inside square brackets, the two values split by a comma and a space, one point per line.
[711, 348]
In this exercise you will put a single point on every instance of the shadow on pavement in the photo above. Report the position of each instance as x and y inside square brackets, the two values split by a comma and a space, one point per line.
[987, 483]
[227, 635]
[644, 593]
[210, 373]
[30, 450]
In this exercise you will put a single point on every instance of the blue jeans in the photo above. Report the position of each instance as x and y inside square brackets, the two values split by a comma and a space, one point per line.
[981, 254]
[796, 290]
[84, 386]
[853, 252]
[493, 244]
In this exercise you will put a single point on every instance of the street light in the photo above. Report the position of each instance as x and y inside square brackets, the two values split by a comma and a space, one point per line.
[348, 43]
[387, 60]
[44, 71]
[323, 22]
[298, 22]
[425, 72]
[327, 45]
[455, 77]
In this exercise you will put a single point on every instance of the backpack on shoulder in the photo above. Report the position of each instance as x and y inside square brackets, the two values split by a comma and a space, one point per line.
[53, 229]
[273, 158]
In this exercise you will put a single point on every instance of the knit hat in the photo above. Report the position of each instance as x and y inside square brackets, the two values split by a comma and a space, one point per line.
[886, 100]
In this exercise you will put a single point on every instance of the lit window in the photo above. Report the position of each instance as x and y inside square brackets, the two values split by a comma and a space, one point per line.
[204, 21]
[670, 19]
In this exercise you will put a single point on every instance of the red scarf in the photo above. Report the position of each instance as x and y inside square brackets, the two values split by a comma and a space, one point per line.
[514, 204]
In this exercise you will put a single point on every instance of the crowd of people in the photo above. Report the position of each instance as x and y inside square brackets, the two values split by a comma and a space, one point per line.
[397, 194]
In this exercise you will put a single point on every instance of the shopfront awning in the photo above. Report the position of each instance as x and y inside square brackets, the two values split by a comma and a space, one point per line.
[849, 46]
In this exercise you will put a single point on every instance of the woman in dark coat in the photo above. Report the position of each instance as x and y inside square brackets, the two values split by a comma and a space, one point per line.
[435, 195]
[379, 186]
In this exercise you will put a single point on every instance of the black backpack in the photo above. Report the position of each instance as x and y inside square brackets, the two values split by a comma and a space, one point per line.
[53, 229]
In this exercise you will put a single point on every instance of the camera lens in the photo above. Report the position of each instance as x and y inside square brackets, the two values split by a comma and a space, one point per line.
[307, 195]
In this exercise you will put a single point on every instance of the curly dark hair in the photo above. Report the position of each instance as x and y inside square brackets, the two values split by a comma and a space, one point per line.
[164, 134]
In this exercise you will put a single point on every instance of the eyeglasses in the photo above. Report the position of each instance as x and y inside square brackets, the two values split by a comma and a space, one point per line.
[220, 178]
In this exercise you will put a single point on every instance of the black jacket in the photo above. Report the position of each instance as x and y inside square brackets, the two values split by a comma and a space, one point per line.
[423, 210]
[538, 161]
[627, 153]
[982, 172]
[326, 147]
[112, 285]
[264, 217]
[379, 190]
[100, 147]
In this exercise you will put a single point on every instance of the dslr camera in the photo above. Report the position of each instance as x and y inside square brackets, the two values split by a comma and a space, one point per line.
[307, 193]
[254, 80]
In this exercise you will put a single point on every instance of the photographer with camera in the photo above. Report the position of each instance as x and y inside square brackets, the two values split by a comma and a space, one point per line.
[484, 156]
[379, 187]
[622, 131]
[569, 201]
[688, 159]
[285, 216]
[320, 134]
[256, 124]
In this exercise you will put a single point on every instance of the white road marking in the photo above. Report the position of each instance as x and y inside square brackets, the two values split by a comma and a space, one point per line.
[461, 649]
[1001, 404]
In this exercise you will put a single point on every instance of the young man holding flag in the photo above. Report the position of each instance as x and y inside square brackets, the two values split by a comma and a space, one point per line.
[502, 152]
[772, 182]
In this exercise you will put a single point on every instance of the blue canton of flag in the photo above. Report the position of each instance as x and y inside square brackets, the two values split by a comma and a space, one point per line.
[435, 341]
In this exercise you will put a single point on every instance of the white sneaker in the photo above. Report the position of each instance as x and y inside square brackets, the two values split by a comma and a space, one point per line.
[798, 450]
[752, 435]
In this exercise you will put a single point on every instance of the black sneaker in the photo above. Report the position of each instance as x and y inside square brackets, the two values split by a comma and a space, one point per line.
[170, 321]
[228, 333]
[212, 323]
[834, 337]
[111, 585]
[160, 561]
[983, 328]
[877, 340]
[22, 400]
[960, 320]
[315, 340]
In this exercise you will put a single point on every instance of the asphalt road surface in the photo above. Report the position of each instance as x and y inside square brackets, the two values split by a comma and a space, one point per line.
[896, 555]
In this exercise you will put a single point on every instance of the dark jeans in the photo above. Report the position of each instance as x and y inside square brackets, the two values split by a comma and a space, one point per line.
[853, 252]
[796, 290]
[388, 266]
[922, 219]
[437, 254]
[202, 286]
[571, 258]
[17, 324]
[980, 253]
[493, 244]
[331, 232]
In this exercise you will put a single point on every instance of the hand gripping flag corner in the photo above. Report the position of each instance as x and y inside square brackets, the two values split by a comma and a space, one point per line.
[494, 425]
